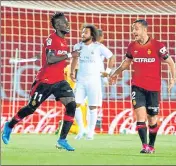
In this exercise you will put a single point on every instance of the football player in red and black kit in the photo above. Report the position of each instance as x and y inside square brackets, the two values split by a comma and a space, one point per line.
[50, 80]
[146, 54]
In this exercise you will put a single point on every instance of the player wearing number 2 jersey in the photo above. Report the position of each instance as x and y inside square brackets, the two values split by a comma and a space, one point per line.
[146, 55]
[50, 80]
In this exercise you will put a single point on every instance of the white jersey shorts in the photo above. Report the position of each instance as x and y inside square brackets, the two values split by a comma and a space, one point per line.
[90, 89]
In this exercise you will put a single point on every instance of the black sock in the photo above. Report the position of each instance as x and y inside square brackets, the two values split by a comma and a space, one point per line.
[13, 122]
[22, 113]
[142, 131]
[152, 134]
[68, 119]
[65, 129]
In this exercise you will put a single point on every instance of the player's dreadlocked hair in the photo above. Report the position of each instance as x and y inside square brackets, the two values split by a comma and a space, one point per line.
[93, 31]
[55, 16]
[141, 21]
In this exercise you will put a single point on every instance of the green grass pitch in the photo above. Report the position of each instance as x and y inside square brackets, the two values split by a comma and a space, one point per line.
[33, 149]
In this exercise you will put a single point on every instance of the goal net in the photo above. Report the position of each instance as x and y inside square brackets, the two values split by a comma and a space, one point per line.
[26, 24]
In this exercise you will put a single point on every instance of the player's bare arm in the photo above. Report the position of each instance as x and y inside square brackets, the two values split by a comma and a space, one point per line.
[110, 64]
[172, 68]
[74, 64]
[52, 58]
[124, 65]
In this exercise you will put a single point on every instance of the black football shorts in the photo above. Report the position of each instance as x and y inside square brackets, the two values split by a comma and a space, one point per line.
[149, 99]
[41, 91]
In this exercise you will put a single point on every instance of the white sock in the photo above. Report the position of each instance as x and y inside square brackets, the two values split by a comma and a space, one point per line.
[88, 120]
[92, 120]
[79, 119]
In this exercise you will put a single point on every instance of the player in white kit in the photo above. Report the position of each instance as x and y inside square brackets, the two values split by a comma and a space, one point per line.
[89, 74]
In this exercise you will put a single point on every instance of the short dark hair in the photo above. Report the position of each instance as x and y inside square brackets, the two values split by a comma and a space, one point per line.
[93, 31]
[55, 16]
[141, 21]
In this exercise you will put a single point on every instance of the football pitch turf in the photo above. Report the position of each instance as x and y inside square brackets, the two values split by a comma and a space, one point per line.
[33, 149]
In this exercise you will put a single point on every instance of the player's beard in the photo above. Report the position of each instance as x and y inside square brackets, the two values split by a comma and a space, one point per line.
[86, 40]
[65, 32]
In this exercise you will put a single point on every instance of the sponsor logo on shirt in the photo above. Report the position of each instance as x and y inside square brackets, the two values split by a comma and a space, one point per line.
[145, 60]
[61, 52]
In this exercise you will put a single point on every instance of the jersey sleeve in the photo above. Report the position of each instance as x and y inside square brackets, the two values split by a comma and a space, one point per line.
[128, 53]
[163, 51]
[77, 47]
[105, 52]
[49, 43]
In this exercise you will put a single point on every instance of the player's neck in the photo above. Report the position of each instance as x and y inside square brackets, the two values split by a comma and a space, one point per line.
[144, 40]
[60, 34]
[88, 42]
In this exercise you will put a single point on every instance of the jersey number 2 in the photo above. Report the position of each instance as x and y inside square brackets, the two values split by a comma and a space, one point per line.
[133, 94]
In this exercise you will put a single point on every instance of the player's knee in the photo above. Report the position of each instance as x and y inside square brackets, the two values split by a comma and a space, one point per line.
[152, 111]
[25, 111]
[70, 108]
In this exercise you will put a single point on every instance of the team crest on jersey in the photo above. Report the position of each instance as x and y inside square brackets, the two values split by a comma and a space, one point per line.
[33, 102]
[134, 102]
[149, 51]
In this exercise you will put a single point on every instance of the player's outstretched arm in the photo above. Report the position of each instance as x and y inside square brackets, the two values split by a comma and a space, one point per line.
[124, 65]
[172, 80]
[52, 58]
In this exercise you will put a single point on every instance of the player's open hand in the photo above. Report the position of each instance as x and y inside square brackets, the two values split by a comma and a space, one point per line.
[104, 74]
[73, 77]
[171, 85]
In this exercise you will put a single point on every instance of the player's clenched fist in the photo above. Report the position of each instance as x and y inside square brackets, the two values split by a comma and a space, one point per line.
[75, 53]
